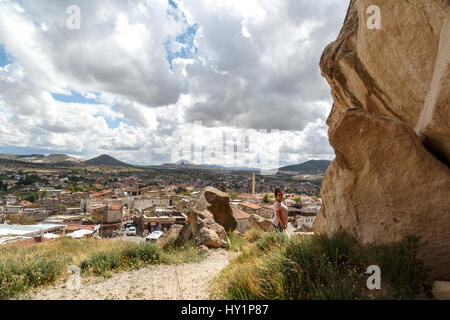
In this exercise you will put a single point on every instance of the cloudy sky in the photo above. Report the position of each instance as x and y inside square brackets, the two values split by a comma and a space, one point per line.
[137, 73]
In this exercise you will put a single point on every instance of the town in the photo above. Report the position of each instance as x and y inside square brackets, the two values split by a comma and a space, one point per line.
[136, 204]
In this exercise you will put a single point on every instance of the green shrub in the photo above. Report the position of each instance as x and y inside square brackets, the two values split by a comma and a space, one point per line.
[271, 239]
[130, 257]
[236, 241]
[253, 234]
[321, 267]
[25, 267]
[18, 276]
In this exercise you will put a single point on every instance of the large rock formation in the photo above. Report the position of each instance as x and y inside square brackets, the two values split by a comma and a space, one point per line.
[206, 231]
[218, 203]
[389, 127]
[210, 217]
[258, 222]
[179, 233]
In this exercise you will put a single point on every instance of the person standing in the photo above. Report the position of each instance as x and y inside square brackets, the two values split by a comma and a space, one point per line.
[280, 218]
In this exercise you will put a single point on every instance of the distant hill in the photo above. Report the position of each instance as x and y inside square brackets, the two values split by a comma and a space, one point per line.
[186, 164]
[40, 158]
[105, 160]
[308, 167]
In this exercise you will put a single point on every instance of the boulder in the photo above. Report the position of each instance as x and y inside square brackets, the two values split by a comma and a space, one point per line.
[210, 215]
[205, 230]
[203, 248]
[218, 204]
[260, 223]
[210, 238]
[389, 128]
[181, 234]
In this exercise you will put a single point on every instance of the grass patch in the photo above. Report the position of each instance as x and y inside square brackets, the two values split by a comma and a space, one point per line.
[26, 267]
[236, 243]
[321, 267]
[253, 234]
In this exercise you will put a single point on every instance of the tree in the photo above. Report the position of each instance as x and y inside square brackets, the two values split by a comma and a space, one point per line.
[268, 198]
[297, 200]
[233, 195]
[180, 190]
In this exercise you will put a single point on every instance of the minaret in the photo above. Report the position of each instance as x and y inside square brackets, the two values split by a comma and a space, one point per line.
[253, 184]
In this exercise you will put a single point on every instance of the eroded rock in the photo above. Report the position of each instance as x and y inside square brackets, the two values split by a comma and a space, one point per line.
[260, 223]
[389, 128]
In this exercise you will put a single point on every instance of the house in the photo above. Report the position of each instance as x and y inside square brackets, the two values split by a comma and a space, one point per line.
[109, 217]
[249, 207]
[99, 194]
[152, 217]
[266, 211]
[242, 219]
[13, 209]
[145, 202]
[73, 211]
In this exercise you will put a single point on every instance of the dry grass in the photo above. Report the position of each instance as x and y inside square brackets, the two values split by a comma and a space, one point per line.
[25, 267]
[318, 267]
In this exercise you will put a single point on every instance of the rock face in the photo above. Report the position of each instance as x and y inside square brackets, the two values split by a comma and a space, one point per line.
[218, 203]
[206, 231]
[181, 234]
[389, 127]
[261, 223]
[210, 216]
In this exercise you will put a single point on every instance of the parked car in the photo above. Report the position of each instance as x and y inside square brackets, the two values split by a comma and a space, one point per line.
[155, 235]
[131, 231]
[129, 224]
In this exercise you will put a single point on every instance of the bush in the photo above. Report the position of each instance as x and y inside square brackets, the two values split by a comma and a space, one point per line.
[17, 276]
[272, 239]
[130, 257]
[236, 241]
[253, 234]
[25, 267]
[321, 267]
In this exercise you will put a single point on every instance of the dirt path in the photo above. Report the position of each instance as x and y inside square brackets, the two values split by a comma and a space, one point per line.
[188, 281]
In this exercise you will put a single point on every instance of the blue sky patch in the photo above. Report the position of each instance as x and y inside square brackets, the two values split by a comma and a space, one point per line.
[188, 50]
[3, 56]
[173, 4]
[115, 123]
[74, 97]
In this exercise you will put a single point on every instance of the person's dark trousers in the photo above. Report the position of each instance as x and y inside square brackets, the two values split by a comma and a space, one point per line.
[278, 228]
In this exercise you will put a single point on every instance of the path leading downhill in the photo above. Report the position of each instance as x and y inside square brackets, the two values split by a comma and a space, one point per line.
[189, 281]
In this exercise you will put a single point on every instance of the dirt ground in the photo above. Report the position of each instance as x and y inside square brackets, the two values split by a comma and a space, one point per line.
[190, 281]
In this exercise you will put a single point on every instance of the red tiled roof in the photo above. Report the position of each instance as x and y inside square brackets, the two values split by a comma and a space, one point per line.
[250, 205]
[115, 207]
[239, 214]
[26, 203]
[100, 193]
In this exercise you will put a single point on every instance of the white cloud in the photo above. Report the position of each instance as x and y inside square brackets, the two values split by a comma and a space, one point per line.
[252, 64]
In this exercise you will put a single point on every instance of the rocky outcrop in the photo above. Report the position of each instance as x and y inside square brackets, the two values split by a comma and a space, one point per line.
[389, 128]
[260, 223]
[206, 231]
[218, 203]
[180, 233]
[210, 216]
